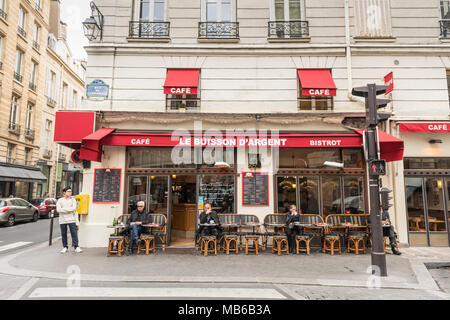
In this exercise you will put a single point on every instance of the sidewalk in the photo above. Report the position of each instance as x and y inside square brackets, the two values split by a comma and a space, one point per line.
[348, 270]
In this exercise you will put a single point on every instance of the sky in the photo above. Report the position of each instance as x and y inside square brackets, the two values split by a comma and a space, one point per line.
[74, 12]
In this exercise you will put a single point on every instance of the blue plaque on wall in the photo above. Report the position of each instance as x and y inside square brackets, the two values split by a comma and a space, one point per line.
[97, 89]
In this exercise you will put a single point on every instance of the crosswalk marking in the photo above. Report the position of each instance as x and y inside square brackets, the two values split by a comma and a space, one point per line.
[221, 293]
[14, 245]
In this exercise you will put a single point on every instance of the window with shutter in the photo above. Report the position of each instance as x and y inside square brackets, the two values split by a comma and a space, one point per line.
[373, 19]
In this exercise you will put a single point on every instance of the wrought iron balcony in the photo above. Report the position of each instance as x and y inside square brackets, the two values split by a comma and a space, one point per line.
[218, 30]
[183, 105]
[148, 29]
[2, 14]
[29, 133]
[21, 31]
[18, 77]
[14, 128]
[288, 29]
[445, 28]
[36, 45]
[51, 102]
[32, 86]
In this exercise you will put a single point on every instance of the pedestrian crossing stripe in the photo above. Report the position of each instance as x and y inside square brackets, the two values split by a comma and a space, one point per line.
[14, 245]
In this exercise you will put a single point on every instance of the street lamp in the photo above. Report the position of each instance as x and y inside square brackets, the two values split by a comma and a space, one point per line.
[93, 26]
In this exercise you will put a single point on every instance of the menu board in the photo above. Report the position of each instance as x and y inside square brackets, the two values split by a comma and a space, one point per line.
[107, 185]
[255, 189]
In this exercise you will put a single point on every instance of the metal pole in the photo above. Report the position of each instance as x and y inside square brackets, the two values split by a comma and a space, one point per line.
[378, 255]
[52, 215]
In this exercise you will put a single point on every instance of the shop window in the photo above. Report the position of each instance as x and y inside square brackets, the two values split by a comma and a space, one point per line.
[219, 191]
[183, 102]
[309, 195]
[287, 190]
[137, 191]
[307, 157]
[331, 195]
[426, 163]
[353, 158]
[354, 195]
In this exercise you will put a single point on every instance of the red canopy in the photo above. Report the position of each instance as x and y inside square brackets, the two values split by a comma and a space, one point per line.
[181, 81]
[91, 146]
[317, 83]
[391, 148]
[72, 127]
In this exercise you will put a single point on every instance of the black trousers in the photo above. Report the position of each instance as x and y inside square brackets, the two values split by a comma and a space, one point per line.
[209, 231]
[389, 232]
[291, 234]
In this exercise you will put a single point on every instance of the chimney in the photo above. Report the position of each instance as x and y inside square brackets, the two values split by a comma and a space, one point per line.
[63, 31]
[55, 18]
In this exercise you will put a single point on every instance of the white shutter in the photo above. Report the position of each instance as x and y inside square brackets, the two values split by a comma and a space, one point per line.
[373, 18]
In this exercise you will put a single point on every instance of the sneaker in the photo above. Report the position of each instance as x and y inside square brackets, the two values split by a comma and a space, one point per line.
[64, 250]
[78, 250]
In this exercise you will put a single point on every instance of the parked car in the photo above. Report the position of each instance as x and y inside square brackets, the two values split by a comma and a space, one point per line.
[45, 206]
[16, 209]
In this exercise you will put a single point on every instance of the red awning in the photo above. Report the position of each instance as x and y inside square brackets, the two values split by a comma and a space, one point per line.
[317, 83]
[72, 127]
[91, 147]
[436, 127]
[391, 148]
[181, 81]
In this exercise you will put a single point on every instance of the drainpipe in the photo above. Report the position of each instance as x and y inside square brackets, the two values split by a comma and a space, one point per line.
[348, 52]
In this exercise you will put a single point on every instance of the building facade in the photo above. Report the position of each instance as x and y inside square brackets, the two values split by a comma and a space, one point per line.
[281, 72]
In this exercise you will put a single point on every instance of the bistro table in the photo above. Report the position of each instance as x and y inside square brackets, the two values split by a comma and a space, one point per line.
[151, 226]
[116, 228]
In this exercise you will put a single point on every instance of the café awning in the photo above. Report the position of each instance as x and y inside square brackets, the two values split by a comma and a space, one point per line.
[12, 174]
[428, 127]
[317, 83]
[391, 148]
[72, 127]
[181, 81]
[91, 146]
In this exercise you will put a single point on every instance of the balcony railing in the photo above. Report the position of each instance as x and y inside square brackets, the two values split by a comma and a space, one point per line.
[29, 133]
[149, 30]
[315, 104]
[14, 128]
[62, 157]
[18, 77]
[36, 45]
[182, 105]
[445, 28]
[288, 29]
[47, 153]
[32, 86]
[218, 30]
[2, 14]
[51, 102]
[21, 31]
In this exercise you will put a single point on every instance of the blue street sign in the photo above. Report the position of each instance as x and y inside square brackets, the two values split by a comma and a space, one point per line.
[97, 89]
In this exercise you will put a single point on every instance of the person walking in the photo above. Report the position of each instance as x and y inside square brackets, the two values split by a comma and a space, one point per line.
[68, 217]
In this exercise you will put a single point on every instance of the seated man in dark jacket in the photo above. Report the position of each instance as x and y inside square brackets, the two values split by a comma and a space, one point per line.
[134, 224]
[291, 229]
[209, 216]
[389, 231]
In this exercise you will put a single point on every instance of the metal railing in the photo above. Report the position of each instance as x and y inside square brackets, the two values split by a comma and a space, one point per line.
[32, 86]
[445, 28]
[315, 104]
[36, 45]
[2, 14]
[29, 133]
[21, 31]
[218, 30]
[51, 102]
[18, 77]
[288, 29]
[181, 105]
[14, 128]
[148, 29]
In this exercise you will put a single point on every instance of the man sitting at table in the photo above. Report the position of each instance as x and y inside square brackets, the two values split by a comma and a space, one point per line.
[291, 229]
[389, 231]
[134, 224]
[206, 217]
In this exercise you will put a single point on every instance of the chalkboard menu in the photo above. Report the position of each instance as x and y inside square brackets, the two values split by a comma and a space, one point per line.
[107, 185]
[255, 189]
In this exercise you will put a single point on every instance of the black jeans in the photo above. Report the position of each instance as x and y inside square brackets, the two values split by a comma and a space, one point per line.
[73, 234]
[389, 232]
[209, 231]
[291, 234]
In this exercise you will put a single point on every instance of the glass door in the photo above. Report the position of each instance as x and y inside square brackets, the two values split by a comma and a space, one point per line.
[416, 212]
[137, 191]
[309, 195]
[436, 215]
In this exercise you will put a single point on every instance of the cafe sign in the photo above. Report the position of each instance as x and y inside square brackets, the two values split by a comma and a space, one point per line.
[97, 89]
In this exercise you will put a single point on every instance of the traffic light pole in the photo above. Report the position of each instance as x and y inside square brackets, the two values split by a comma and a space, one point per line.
[378, 255]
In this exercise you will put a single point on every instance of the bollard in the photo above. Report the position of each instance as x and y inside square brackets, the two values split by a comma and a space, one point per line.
[52, 215]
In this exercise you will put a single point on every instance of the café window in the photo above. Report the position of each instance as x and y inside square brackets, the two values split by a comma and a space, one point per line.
[182, 90]
[316, 89]
[426, 163]
[169, 157]
[307, 157]
[183, 102]
[219, 191]
[353, 158]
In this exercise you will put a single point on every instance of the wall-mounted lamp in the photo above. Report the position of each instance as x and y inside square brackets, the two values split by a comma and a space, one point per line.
[93, 26]
[435, 141]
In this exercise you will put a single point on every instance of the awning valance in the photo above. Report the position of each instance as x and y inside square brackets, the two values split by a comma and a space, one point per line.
[91, 146]
[181, 81]
[317, 83]
[428, 127]
[8, 173]
[391, 148]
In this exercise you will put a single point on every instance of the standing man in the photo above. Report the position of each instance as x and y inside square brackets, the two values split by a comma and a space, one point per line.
[291, 229]
[68, 217]
[209, 216]
[134, 223]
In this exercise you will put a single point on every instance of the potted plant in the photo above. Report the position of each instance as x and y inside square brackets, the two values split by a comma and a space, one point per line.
[182, 107]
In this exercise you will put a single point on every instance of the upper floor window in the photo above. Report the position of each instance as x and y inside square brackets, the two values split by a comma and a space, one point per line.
[29, 120]
[445, 18]
[149, 19]
[373, 19]
[13, 126]
[316, 90]
[1, 52]
[18, 65]
[75, 99]
[21, 26]
[150, 10]
[182, 90]
[33, 71]
[51, 88]
[65, 90]
[36, 31]
[2, 9]
[287, 10]
[287, 19]
[218, 19]
[38, 4]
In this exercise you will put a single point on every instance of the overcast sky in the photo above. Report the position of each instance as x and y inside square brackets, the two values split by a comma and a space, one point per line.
[74, 12]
